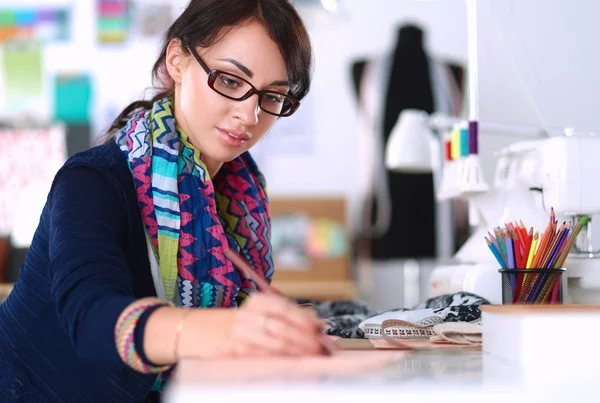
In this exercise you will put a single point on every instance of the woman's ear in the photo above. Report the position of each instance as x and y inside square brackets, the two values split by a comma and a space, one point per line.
[175, 60]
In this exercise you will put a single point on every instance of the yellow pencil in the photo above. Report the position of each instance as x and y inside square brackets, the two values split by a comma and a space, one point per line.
[534, 242]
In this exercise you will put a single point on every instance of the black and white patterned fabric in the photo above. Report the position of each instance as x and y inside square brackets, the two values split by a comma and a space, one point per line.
[351, 319]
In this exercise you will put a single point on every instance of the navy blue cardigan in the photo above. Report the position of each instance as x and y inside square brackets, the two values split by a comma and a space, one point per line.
[87, 262]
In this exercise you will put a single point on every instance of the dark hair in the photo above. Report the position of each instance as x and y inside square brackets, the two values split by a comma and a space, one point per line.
[203, 21]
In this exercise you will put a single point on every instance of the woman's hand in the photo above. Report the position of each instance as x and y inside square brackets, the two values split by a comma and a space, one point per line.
[268, 324]
[265, 325]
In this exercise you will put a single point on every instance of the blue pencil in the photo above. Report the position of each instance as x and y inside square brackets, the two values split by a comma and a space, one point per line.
[494, 240]
[496, 253]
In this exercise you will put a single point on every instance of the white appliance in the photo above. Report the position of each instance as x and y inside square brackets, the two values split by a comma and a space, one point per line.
[531, 177]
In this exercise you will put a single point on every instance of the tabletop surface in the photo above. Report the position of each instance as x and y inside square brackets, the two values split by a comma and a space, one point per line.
[449, 374]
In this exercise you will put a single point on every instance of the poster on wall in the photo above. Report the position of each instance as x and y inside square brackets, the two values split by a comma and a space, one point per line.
[29, 159]
[22, 84]
[72, 98]
[29, 23]
[152, 18]
[113, 21]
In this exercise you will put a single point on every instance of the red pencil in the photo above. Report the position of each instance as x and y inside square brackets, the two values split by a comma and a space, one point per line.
[518, 249]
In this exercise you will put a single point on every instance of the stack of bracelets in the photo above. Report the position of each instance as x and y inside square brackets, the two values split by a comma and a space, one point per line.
[125, 333]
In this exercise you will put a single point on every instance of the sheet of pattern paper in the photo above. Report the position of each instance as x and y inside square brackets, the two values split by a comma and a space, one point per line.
[342, 363]
[29, 159]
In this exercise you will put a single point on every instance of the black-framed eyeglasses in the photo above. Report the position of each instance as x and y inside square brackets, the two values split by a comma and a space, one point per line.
[238, 89]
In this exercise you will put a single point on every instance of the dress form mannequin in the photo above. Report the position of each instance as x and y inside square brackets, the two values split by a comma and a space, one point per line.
[401, 206]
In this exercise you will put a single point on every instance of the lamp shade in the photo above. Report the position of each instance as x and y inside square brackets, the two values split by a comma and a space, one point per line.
[408, 148]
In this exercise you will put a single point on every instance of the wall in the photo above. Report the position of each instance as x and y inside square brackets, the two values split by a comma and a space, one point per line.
[552, 46]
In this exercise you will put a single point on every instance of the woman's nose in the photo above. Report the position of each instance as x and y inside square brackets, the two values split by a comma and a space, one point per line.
[247, 110]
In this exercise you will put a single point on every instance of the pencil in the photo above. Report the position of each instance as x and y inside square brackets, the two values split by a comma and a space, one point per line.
[502, 243]
[572, 237]
[518, 248]
[494, 240]
[542, 247]
[560, 246]
[526, 248]
[496, 253]
[534, 243]
[510, 250]
[553, 245]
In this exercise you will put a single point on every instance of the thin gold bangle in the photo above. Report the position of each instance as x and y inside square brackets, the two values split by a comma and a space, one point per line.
[178, 331]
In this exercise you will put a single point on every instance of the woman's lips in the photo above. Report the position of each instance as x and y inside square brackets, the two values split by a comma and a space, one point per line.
[233, 138]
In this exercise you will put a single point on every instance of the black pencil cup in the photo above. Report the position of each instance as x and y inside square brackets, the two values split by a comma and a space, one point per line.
[532, 286]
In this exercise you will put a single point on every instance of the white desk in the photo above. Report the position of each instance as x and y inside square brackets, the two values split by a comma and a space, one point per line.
[439, 376]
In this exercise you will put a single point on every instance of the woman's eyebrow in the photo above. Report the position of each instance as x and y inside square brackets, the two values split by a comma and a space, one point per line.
[249, 73]
[240, 66]
[281, 83]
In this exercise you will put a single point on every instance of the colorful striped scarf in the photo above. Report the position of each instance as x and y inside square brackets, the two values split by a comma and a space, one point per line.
[192, 220]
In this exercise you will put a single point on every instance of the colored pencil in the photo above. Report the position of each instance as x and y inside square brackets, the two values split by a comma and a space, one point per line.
[496, 253]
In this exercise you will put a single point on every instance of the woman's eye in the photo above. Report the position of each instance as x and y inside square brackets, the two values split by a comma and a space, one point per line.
[229, 82]
[274, 99]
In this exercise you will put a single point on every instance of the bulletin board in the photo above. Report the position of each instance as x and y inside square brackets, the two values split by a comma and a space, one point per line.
[325, 260]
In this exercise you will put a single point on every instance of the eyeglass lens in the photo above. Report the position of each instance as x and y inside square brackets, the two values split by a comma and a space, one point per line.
[235, 87]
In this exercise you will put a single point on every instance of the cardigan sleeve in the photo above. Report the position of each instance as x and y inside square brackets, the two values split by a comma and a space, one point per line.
[90, 282]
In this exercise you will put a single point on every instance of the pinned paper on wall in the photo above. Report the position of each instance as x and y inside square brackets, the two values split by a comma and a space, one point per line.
[153, 18]
[29, 159]
[72, 96]
[327, 239]
[23, 80]
[288, 238]
[34, 23]
[113, 21]
[297, 238]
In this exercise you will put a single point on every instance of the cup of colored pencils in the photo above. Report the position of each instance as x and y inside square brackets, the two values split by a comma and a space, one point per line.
[532, 264]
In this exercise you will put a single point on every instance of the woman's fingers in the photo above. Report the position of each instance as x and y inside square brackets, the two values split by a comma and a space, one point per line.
[297, 340]
[275, 325]
[284, 309]
[263, 335]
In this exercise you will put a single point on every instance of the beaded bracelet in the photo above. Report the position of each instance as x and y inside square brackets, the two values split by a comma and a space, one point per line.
[125, 330]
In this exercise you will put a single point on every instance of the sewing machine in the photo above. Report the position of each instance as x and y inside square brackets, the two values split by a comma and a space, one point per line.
[531, 178]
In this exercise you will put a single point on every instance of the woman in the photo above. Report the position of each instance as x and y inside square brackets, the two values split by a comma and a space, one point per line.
[135, 231]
